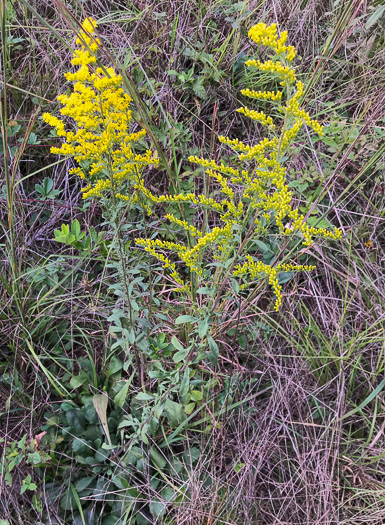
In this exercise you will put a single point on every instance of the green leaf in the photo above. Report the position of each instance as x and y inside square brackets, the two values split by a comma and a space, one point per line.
[181, 355]
[198, 88]
[261, 245]
[47, 183]
[121, 396]
[103, 452]
[75, 228]
[206, 291]
[131, 334]
[242, 340]
[235, 286]
[25, 484]
[76, 421]
[203, 327]
[21, 443]
[189, 408]
[175, 413]
[157, 458]
[167, 493]
[143, 435]
[143, 396]
[314, 221]
[83, 483]
[185, 385]
[90, 413]
[239, 466]
[67, 501]
[114, 366]
[32, 139]
[35, 458]
[80, 446]
[375, 16]
[176, 343]
[157, 509]
[214, 350]
[284, 277]
[65, 229]
[79, 380]
[182, 319]
[196, 395]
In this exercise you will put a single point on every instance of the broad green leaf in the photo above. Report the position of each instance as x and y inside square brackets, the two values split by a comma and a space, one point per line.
[176, 343]
[75, 228]
[175, 413]
[80, 446]
[206, 291]
[157, 509]
[214, 350]
[36, 458]
[203, 327]
[79, 380]
[284, 277]
[182, 319]
[196, 395]
[242, 340]
[83, 483]
[261, 245]
[181, 355]
[157, 458]
[115, 365]
[189, 408]
[121, 396]
[143, 396]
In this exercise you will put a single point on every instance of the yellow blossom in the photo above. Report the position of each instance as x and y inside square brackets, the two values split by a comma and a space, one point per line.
[102, 144]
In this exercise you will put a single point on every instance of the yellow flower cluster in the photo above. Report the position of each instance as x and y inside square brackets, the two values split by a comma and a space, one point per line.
[260, 116]
[150, 247]
[102, 144]
[88, 44]
[184, 224]
[260, 190]
[188, 256]
[285, 73]
[295, 267]
[267, 36]
[254, 270]
[264, 95]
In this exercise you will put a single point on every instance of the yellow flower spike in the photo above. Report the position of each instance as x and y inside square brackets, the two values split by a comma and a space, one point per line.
[185, 225]
[285, 73]
[255, 115]
[267, 36]
[103, 140]
[262, 95]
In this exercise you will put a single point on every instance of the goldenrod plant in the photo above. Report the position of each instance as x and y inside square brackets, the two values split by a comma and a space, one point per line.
[251, 197]
[102, 145]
